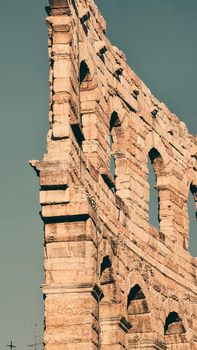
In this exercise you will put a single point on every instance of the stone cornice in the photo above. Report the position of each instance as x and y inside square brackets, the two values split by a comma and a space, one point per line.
[57, 3]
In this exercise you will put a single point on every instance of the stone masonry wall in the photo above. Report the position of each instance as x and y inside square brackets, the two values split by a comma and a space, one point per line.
[112, 281]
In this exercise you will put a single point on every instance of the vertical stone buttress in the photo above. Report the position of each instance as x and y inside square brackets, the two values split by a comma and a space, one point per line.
[112, 281]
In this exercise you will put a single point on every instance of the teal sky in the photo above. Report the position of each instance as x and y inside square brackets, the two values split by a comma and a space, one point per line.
[159, 39]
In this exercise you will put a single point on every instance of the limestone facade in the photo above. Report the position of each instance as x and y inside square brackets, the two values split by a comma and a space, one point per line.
[112, 281]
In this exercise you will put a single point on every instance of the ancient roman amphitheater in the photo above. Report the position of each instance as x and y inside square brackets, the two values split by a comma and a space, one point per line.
[112, 281]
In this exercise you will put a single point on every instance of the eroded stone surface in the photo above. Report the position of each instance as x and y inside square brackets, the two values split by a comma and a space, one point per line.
[112, 281]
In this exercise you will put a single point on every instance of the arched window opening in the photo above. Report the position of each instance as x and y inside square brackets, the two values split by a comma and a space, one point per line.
[102, 52]
[84, 73]
[84, 21]
[114, 123]
[118, 73]
[155, 169]
[192, 215]
[136, 301]
[106, 275]
[112, 164]
[173, 324]
[153, 197]
[156, 161]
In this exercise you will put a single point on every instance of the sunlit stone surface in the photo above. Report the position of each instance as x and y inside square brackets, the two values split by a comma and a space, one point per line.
[112, 281]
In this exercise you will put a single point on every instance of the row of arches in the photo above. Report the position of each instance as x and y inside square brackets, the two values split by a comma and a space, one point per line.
[156, 168]
[137, 308]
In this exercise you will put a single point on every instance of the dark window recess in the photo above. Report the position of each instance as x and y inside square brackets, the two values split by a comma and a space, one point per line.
[102, 52]
[154, 113]
[85, 17]
[135, 294]
[84, 72]
[135, 94]
[106, 263]
[114, 121]
[118, 73]
[156, 161]
[156, 168]
[171, 132]
[153, 196]
[173, 324]
[106, 273]
[108, 180]
[78, 134]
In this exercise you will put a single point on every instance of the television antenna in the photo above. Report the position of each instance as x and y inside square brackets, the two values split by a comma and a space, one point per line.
[11, 346]
[36, 338]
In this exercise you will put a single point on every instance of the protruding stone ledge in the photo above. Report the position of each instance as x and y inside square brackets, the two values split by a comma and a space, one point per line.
[54, 196]
[66, 218]
[59, 8]
[70, 288]
[52, 173]
[147, 342]
[118, 321]
[57, 3]
[70, 231]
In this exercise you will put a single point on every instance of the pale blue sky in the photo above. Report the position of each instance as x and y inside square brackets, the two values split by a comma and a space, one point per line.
[159, 39]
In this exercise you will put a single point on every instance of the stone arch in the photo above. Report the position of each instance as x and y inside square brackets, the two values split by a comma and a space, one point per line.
[191, 152]
[163, 169]
[173, 324]
[136, 301]
[189, 186]
[106, 271]
[121, 145]
[192, 185]
[134, 278]
[157, 161]
[190, 177]
[87, 75]
[114, 132]
[114, 121]
[156, 170]
[173, 307]
[115, 104]
[84, 72]
[153, 140]
[138, 305]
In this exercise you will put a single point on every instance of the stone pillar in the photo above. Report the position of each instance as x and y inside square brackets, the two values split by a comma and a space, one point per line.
[172, 213]
[114, 327]
[64, 84]
[71, 295]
